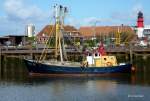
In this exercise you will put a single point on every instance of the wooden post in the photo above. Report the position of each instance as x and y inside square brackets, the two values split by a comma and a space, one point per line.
[131, 54]
[5, 66]
[126, 56]
[144, 57]
[31, 52]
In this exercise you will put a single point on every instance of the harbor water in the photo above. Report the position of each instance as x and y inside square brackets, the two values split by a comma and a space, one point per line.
[17, 85]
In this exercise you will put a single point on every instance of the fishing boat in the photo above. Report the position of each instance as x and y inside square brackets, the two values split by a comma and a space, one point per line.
[97, 62]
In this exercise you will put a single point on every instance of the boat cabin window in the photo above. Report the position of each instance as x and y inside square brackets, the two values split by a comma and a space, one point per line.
[89, 54]
[112, 58]
[96, 54]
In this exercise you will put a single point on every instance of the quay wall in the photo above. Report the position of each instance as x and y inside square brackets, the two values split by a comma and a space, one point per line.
[10, 58]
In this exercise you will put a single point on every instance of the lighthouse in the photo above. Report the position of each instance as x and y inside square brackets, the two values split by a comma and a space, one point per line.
[140, 25]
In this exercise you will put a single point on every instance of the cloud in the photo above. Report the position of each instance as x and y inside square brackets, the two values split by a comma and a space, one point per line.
[20, 10]
[89, 21]
[128, 17]
[93, 21]
[137, 7]
[19, 13]
[73, 22]
[115, 18]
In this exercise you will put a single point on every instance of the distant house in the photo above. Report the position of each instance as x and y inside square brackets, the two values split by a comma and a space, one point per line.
[146, 32]
[12, 40]
[89, 32]
[49, 31]
[3, 40]
[107, 31]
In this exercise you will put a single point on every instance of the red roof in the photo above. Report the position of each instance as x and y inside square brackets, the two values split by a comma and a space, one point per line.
[98, 30]
[49, 29]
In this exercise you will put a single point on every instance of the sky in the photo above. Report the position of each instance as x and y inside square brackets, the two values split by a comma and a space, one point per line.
[16, 14]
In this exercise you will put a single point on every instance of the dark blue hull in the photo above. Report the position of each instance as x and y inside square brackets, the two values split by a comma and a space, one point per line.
[34, 67]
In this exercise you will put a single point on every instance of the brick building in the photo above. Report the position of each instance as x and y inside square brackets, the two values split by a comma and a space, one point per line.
[69, 32]
[105, 32]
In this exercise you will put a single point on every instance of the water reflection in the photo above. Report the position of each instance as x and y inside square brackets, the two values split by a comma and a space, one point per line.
[21, 78]
[117, 87]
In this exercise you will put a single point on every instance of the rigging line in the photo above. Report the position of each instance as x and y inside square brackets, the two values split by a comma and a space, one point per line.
[46, 50]
[43, 56]
[46, 45]
[47, 41]
[50, 39]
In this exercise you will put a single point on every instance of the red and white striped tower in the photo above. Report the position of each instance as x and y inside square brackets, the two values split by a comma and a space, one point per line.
[140, 25]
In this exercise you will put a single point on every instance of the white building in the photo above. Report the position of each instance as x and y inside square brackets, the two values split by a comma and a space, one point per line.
[30, 30]
[146, 32]
[143, 32]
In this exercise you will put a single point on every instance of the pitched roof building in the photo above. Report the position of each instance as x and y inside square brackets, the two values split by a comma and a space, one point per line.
[89, 32]
[49, 30]
[86, 32]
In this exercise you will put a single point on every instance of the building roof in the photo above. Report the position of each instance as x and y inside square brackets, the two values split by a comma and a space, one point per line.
[51, 29]
[98, 30]
[16, 36]
[4, 37]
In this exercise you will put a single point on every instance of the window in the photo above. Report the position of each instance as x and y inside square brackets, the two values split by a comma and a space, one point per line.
[96, 54]
[105, 59]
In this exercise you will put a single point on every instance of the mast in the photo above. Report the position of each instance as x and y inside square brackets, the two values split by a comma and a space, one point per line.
[64, 13]
[60, 12]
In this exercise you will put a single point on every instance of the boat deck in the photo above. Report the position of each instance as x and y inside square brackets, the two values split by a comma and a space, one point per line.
[66, 63]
